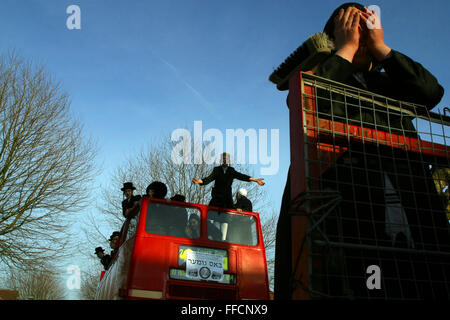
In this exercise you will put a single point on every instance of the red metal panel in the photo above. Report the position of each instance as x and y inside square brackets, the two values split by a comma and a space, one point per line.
[298, 181]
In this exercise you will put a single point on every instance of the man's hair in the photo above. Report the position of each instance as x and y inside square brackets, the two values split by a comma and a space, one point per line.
[329, 26]
[159, 189]
[227, 158]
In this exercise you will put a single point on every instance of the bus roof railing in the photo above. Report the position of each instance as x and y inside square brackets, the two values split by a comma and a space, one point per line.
[377, 99]
[429, 136]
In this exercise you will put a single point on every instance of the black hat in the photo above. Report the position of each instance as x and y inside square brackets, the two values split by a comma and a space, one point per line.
[99, 249]
[178, 197]
[128, 185]
[329, 26]
[115, 233]
[159, 189]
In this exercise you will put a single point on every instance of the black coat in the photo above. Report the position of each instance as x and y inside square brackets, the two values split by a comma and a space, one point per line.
[221, 193]
[106, 261]
[244, 203]
[128, 203]
[403, 79]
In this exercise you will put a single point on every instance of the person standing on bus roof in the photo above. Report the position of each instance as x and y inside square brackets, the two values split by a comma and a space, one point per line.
[105, 259]
[242, 202]
[130, 199]
[113, 241]
[221, 194]
[358, 58]
[156, 189]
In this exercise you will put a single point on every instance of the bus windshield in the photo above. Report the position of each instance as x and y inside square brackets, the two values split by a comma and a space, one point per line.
[228, 227]
[173, 221]
[232, 228]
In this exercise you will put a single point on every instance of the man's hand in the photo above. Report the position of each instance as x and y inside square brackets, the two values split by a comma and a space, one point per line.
[346, 32]
[258, 181]
[371, 24]
[197, 181]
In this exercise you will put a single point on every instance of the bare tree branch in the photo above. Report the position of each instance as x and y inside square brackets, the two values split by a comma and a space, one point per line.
[89, 281]
[31, 285]
[45, 165]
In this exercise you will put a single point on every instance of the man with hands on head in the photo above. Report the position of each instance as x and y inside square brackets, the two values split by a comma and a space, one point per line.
[358, 56]
[354, 39]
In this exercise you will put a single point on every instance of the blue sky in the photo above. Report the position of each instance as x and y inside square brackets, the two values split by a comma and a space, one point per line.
[139, 69]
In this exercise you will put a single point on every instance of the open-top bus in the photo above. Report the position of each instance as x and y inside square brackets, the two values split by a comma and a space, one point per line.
[156, 259]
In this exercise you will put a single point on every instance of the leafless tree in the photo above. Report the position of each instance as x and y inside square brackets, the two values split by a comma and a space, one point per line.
[89, 281]
[269, 228]
[45, 165]
[43, 284]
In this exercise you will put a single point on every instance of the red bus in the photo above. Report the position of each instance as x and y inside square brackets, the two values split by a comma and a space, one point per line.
[156, 259]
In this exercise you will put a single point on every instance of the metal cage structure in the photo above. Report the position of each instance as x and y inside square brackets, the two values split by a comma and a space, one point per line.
[369, 190]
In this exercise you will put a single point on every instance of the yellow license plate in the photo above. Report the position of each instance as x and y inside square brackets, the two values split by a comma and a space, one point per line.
[183, 250]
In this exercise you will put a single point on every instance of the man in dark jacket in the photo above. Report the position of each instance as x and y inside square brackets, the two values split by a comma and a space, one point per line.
[130, 199]
[359, 55]
[156, 189]
[242, 202]
[221, 195]
[105, 259]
